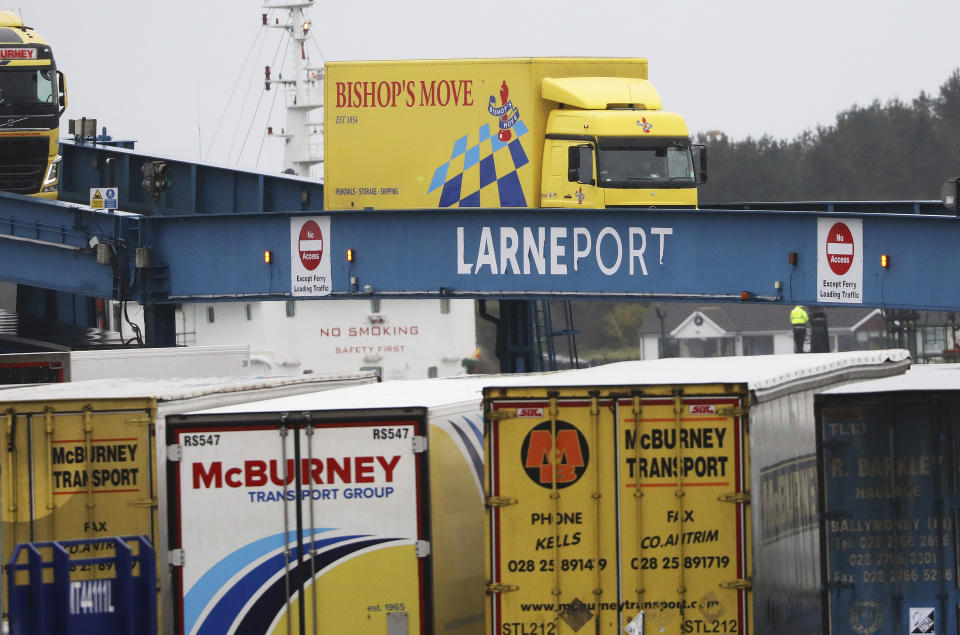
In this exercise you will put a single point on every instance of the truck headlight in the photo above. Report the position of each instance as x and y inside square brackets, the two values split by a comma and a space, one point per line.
[53, 175]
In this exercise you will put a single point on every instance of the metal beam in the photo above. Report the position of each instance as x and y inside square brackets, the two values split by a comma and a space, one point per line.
[51, 244]
[194, 188]
[852, 207]
[703, 255]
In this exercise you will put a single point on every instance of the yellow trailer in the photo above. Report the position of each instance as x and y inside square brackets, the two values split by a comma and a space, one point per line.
[622, 493]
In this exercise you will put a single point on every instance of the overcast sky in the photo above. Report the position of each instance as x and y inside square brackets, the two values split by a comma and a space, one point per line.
[163, 72]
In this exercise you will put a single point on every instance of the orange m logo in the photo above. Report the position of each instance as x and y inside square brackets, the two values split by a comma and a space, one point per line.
[567, 458]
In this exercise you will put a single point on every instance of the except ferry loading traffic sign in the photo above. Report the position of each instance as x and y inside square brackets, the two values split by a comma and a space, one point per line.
[840, 260]
[310, 255]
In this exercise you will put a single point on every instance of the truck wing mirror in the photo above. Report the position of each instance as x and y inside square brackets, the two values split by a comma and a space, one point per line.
[62, 98]
[702, 167]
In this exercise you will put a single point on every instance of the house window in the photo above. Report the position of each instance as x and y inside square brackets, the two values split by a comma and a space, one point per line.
[934, 340]
[707, 347]
[845, 342]
[758, 344]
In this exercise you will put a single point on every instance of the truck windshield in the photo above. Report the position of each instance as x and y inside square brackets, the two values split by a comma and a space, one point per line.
[28, 89]
[622, 164]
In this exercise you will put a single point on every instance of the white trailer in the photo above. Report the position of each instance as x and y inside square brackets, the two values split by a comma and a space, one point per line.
[155, 363]
[378, 490]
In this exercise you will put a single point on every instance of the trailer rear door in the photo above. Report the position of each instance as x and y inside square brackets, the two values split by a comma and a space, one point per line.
[890, 498]
[312, 524]
[602, 505]
[77, 469]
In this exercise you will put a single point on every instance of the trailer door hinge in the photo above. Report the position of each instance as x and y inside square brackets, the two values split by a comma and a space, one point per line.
[500, 501]
[734, 497]
[176, 557]
[496, 587]
[731, 411]
[503, 413]
[140, 421]
[739, 584]
[423, 548]
[419, 444]
[143, 502]
[175, 453]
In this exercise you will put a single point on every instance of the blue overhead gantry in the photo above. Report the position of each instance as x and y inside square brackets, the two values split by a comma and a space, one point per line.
[190, 232]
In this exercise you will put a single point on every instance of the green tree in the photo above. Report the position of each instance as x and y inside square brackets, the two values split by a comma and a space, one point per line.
[882, 151]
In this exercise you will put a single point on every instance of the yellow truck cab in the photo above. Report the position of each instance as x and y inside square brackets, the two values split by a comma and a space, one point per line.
[32, 98]
[611, 145]
[500, 133]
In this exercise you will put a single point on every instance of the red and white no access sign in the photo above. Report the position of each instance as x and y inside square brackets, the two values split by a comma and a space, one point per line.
[310, 245]
[310, 249]
[840, 248]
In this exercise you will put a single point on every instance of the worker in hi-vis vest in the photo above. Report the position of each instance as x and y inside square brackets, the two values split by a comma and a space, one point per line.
[799, 319]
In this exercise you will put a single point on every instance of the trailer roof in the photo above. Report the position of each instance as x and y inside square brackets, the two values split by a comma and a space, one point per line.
[918, 378]
[168, 389]
[759, 372]
[401, 393]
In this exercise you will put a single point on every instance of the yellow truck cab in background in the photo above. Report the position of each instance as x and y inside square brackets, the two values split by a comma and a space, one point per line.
[525, 132]
[33, 95]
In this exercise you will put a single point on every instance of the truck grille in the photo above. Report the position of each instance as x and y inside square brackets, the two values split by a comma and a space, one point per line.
[22, 164]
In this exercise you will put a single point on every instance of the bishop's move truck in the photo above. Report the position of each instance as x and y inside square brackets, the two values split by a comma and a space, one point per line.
[33, 95]
[682, 489]
[87, 459]
[525, 132]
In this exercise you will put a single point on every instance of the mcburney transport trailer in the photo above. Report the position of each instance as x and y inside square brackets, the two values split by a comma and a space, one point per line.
[381, 501]
[521, 132]
[88, 459]
[890, 502]
[662, 487]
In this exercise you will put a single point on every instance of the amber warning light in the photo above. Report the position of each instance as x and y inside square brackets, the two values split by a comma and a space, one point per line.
[349, 255]
[884, 261]
[267, 257]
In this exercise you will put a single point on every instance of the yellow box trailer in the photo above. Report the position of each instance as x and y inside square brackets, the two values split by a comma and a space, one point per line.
[522, 132]
[622, 493]
[87, 459]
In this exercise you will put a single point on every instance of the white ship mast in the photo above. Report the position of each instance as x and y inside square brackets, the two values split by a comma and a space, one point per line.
[304, 93]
